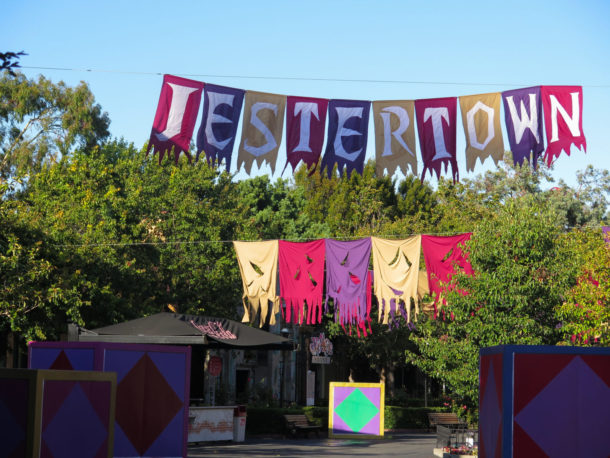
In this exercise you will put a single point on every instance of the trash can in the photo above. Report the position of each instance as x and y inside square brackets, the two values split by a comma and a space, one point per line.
[239, 424]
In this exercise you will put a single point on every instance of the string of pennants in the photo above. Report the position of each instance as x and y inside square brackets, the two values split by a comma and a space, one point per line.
[559, 108]
[395, 280]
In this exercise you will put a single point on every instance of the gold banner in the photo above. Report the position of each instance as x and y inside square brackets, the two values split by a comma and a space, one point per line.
[394, 136]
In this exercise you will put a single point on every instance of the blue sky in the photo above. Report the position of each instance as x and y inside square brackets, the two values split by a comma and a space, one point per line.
[304, 48]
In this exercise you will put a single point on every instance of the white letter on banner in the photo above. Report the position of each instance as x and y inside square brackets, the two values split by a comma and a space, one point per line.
[176, 111]
[403, 116]
[437, 114]
[525, 122]
[572, 121]
[472, 131]
[344, 114]
[256, 122]
[215, 99]
[306, 109]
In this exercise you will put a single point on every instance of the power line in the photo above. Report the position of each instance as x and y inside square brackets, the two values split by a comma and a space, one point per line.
[296, 78]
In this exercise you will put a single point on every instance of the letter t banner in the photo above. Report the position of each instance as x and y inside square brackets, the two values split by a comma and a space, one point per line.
[176, 115]
[305, 122]
[562, 120]
[436, 125]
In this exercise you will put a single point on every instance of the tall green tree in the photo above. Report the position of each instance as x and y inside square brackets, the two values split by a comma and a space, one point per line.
[521, 277]
[41, 121]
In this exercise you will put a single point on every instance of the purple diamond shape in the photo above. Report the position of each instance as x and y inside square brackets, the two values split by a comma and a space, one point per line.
[491, 415]
[76, 429]
[570, 416]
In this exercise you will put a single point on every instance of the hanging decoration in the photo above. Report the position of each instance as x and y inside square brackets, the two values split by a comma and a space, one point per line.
[258, 266]
[262, 129]
[175, 117]
[347, 264]
[346, 140]
[348, 122]
[481, 120]
[394, 136]
[562, 120]
[218, 129]
[301, 267]
[396, 273]
[305, 122]
[442, 254]
[523, 115]
[436, 124]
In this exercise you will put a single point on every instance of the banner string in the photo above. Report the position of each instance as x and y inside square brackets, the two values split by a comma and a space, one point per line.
[294, 78]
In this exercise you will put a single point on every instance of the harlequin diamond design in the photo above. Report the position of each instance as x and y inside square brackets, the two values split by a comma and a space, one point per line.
[76, 429]
[573, 406]
[62, 362]
[145, 404]
[356, 410]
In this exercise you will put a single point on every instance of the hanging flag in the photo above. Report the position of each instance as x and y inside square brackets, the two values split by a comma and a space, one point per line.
[523, 115]
[436, 125]
[218, 129]
[441, 255]
[261, 135]
[481, 120]
[175, 117]
[562, 120]
[258, 266]
[396, 270]
[347, 266]
[305, 121]
[302, 280]
[394, 136]
[348, 122]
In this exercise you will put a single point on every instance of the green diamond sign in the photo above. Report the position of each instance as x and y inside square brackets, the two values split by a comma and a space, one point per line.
[357, 409]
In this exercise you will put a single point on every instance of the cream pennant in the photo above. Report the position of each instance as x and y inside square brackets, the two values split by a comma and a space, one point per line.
[481, 120]
[395, 136]
[262, 129]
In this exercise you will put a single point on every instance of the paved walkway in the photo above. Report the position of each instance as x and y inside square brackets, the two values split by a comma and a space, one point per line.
[418, 445]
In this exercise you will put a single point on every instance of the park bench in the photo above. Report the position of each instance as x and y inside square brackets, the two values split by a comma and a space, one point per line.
[296, 424]
[447, 424]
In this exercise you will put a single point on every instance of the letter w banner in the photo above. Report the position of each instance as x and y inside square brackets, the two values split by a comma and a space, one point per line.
[436, 125]
[221, 110]
[523, 114]
[348, 122]
[394, 136]
[481, 120]
[175, 117]
[305, 122]
[263, 125]
[562, 120]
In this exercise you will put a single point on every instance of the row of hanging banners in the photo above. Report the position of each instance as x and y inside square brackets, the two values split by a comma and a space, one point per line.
[348, 120]
[395, 279]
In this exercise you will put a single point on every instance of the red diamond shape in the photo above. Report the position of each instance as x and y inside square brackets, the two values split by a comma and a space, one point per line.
[62, 362]
[145, 404]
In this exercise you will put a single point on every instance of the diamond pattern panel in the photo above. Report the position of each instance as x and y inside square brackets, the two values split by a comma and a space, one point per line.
[491, 413]
[574, 406]
[356, 410]
[75, 429]
[146, 404]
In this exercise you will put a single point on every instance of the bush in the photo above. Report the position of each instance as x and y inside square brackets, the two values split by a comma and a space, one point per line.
[270, 420]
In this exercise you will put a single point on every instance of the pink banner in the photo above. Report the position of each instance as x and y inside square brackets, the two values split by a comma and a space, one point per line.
[436, 123]
[562, 120]
[305, 121]
[176, 115]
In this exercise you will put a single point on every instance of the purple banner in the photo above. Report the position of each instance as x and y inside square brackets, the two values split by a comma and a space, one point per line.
[348, 122]
[305, 121]
[436, 125]
[347, 265]
[216, 136]
[523, 114]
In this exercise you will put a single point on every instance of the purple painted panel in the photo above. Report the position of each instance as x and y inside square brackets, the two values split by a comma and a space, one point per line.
[14, 396]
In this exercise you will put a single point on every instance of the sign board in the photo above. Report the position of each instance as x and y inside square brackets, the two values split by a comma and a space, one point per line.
[321, 349]
[356, 410]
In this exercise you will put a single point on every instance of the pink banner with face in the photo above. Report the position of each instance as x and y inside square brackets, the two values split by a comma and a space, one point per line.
[436, 125]
[176, 116]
